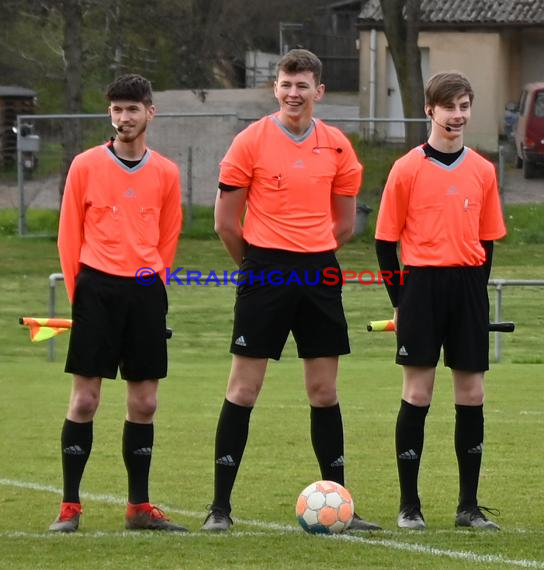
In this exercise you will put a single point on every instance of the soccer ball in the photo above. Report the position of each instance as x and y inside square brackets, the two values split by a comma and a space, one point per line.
[324, 507]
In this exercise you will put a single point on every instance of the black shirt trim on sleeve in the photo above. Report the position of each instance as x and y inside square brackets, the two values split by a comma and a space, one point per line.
[227, 187]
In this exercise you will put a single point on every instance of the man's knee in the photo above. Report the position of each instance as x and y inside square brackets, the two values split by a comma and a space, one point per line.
[469, 388]
[470, 395]
[243, 393]
[322, 394]
[418, 396]
[83, 405]
[418, 385]
[245, 380]
[142, 407]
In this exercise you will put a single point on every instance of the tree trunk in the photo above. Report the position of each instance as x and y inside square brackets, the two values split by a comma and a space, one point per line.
[72, 52]
[114, 45]
[401, 31]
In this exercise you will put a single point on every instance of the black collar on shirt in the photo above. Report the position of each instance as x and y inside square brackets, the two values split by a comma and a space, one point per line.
[446, 158]
[126, 162]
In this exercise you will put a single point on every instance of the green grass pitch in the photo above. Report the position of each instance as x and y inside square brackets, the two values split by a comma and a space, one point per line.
[279, 461]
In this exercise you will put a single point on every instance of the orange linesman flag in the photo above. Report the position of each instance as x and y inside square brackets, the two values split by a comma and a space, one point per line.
[380, 326]
[44, 329]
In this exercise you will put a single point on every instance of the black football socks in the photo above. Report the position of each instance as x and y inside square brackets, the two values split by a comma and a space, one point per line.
[76, 443]
[409, 437]
[230, 443]
[327, 434]
[469, 437]
[137, 450]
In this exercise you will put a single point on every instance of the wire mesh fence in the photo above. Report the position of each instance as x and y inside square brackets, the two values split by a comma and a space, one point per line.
[196, 142]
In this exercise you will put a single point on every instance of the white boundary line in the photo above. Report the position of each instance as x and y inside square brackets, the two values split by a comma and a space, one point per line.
[131, 534]
[386, 543]
[455, 554]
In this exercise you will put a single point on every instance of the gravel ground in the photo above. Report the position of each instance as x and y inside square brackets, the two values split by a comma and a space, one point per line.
[518, 190]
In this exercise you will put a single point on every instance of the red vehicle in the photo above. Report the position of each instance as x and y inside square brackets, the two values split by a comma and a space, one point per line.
[529, 133]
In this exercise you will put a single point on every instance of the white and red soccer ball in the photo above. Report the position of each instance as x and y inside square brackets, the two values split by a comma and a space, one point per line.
[324, 507]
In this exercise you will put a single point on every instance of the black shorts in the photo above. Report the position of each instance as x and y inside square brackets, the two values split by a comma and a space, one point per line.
[444, 306]
[283, 292]
[117, 322]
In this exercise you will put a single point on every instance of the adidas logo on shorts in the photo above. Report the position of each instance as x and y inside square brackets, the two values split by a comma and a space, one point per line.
[403, 351]
[240, 341]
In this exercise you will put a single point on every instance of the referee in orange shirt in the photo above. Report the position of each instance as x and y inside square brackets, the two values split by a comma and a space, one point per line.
[441, 202]
[121, 211]
[298, 179]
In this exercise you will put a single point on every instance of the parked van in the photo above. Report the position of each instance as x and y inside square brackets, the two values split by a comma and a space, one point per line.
[529, 133]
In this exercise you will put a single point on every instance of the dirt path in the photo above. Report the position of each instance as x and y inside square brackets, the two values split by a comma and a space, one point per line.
[519, 190]
[43, 193]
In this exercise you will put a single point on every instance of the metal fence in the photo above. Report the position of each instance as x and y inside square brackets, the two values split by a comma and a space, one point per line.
[497, 284]
[196, 142]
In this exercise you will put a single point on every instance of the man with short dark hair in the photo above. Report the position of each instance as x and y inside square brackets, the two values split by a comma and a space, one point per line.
[298, 178]
[121, 211]
[441, 202]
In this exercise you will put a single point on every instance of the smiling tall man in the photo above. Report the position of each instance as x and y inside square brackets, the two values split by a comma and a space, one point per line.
[298, 179]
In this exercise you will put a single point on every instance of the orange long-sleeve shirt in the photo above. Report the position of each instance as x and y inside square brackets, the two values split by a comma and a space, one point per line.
[117, 219]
